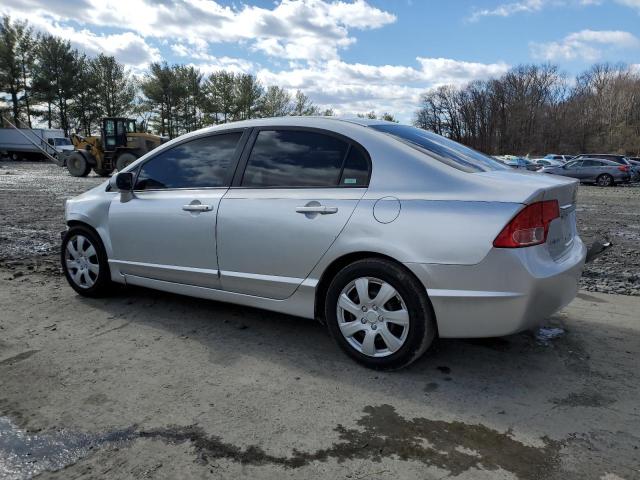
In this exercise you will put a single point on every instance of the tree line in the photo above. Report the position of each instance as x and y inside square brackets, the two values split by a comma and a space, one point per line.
[535, 109]
[45, 80]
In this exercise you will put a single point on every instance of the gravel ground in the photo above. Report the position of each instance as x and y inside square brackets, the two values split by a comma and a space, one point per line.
[32, 208]
[140, 385]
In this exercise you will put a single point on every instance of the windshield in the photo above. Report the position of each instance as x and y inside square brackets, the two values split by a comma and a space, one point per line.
[62, 141]
[446, 151]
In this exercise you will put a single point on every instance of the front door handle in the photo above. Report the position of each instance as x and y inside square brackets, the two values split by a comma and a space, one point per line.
[321, 209]
[197, 207]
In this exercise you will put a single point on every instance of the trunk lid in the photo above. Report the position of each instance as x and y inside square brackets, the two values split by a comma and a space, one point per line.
[535, 187]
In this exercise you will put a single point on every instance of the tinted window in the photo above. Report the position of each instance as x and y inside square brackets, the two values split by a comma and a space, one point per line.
[294, 158]
[356, 169]
[442, 149]
[574, 164]
[200, 163]
[591, 163]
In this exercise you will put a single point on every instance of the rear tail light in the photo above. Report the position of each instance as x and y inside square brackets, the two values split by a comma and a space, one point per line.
[529, 227]
[623, 168]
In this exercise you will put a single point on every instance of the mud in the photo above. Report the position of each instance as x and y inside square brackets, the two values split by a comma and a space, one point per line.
[455, 446]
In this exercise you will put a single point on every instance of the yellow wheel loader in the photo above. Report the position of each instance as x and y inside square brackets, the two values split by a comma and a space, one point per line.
[117, 146]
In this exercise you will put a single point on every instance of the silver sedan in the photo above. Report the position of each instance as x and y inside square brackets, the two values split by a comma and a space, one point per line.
[388, 234]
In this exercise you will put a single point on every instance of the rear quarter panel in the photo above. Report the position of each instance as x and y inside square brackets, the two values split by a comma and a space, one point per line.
[425, 231]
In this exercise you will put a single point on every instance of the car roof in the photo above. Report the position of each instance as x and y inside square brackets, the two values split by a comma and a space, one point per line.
[593, 155]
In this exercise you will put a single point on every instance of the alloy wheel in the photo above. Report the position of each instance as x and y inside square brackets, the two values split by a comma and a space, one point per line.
[373, 317]
[81, 259]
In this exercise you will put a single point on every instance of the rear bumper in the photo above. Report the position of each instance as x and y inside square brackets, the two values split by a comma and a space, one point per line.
[509, 291]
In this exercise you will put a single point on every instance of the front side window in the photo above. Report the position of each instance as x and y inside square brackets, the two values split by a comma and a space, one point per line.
[201, 163]
[443, 149]
[295, 158]
[591, 163]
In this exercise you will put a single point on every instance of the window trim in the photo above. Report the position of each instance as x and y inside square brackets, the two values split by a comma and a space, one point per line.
[244, 159]
[232, 165]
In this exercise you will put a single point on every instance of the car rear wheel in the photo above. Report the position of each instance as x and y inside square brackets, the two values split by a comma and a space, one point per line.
[379, 314]
[604, 180]
[84, 262]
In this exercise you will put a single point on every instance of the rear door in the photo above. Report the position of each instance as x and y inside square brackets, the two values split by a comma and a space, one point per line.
[166, 230]
[589, 170]
[293, 194]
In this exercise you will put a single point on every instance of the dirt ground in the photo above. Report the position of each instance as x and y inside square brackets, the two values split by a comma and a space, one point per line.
[149, 385]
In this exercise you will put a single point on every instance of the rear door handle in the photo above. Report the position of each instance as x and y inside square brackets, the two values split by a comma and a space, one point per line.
[197, 207]
[321, 209]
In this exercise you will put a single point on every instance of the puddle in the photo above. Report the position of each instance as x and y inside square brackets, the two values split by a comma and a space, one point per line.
[24, 455]
[545, 335]
[380, 433]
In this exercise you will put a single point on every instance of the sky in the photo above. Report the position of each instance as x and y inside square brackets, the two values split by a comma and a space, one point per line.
[351, 55]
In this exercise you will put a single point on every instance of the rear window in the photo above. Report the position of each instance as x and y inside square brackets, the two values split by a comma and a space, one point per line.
[446, 151]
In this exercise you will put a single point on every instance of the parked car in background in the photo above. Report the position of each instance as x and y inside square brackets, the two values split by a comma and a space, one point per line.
[363, 224]
[561, 158]
[522, 163]
[604, 173]
[635, 163]
[61, 144]
[620, 159]
[548, 162]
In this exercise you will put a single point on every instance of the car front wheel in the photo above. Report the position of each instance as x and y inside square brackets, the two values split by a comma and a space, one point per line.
[379, 314]
[84, 262]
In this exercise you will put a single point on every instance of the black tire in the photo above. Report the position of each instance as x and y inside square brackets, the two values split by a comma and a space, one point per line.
[103, 172]
[124, 160]
[101, 283]
[422, 327]
[77, 165]
[605, 180]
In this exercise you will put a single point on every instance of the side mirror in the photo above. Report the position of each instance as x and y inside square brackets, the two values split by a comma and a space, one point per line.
[122, 181]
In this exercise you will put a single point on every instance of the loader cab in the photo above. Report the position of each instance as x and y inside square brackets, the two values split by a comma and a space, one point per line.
[114, 132]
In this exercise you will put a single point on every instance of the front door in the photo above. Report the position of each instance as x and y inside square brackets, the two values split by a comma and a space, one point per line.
[166, 229]
[296, 194]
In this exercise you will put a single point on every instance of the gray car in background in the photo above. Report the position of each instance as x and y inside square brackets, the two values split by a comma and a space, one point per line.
[604, 173]
[619, 159]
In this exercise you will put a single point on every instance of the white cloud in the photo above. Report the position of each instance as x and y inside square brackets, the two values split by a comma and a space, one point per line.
[587, 45]
[527, 6]
[630, 3]
[302, 39]
[355, 87]
[293, 29]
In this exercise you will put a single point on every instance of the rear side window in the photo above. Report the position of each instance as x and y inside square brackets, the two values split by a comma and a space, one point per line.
[591, 163]
[200, 163]
[356, 169]
[296, 158]
[443, 149]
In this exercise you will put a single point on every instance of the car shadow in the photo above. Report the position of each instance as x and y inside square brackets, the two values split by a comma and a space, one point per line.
[498, 368]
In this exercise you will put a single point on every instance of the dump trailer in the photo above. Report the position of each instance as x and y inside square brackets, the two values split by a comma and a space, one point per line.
[32, 143]
[118, 145]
